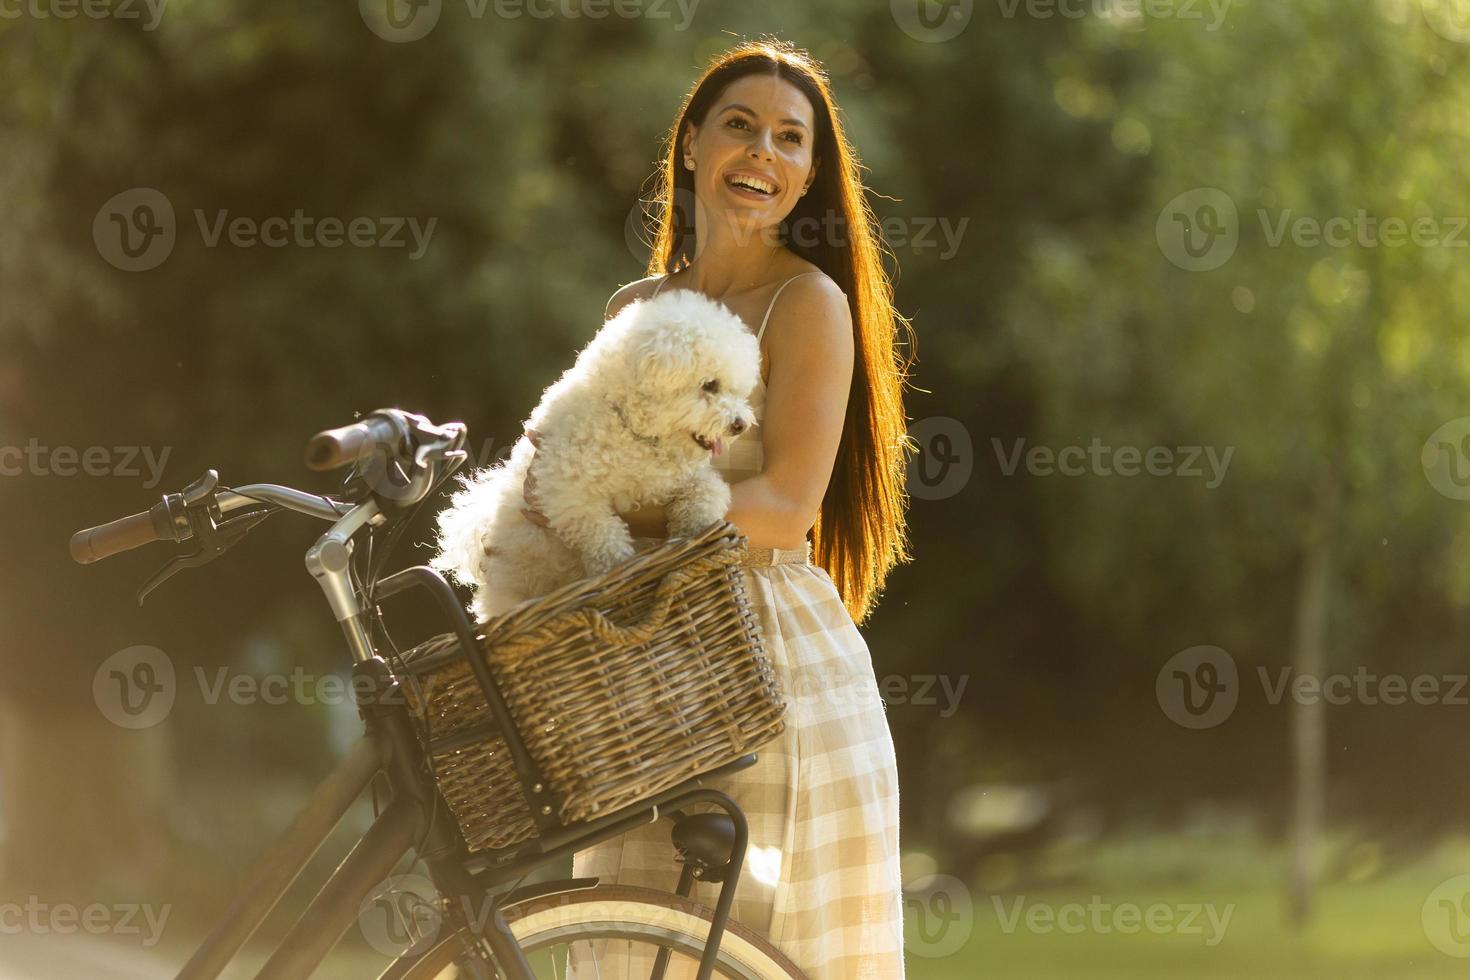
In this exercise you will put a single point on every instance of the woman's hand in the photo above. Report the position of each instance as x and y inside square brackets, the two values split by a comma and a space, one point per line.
[529, 512]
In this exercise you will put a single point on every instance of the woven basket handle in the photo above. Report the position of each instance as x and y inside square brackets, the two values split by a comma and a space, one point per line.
[607, 631]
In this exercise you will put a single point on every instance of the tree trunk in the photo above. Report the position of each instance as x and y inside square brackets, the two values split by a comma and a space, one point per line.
[1309, 719]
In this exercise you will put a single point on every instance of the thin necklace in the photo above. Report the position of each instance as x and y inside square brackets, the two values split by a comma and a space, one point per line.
[647, 440]
[743, 289]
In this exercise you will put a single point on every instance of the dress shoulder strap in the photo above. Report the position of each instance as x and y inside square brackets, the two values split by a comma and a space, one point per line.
[767, 319]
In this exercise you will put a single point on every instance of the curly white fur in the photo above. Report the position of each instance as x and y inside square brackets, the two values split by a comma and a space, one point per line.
[620, 428]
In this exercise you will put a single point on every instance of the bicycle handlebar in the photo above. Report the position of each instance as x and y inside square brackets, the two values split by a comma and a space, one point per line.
[410, 443]
[124, 534]
[348, 444]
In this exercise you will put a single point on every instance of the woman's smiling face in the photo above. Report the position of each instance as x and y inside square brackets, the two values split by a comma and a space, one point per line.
[759, 134]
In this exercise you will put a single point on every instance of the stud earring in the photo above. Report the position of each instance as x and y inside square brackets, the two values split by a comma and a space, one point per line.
[689, 162]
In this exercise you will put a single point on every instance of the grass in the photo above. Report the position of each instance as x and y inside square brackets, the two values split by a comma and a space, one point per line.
[1374, 927]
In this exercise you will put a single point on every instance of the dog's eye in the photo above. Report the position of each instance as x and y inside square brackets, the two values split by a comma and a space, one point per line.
[712, 385]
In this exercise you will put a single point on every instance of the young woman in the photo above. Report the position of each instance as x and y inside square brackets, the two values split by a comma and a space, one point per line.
[762, 201]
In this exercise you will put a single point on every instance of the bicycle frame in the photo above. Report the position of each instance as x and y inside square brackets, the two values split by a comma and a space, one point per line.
[417, 819]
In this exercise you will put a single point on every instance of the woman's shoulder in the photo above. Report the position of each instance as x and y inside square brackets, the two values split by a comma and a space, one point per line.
[808, 289]
[808, 277]
[639, 289]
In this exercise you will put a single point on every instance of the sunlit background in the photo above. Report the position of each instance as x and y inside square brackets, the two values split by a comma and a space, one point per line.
[1177, 676]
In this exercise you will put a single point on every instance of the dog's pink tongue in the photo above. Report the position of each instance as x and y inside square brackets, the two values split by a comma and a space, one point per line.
[719, 447]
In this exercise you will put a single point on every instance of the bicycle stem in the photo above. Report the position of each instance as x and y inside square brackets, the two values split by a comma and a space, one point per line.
[329, 562]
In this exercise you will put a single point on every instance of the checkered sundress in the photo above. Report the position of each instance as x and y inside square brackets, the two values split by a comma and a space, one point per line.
[821, 877]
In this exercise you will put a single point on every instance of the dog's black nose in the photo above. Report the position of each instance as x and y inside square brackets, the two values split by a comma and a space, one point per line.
[737, 427]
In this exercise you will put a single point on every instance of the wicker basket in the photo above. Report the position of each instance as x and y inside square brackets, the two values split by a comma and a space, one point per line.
[621, 685]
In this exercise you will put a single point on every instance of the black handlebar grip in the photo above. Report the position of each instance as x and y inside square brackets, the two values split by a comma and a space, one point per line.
[105, 540]
[342, 446]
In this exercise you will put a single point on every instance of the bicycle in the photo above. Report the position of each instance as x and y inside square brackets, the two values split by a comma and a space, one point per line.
[487, 922]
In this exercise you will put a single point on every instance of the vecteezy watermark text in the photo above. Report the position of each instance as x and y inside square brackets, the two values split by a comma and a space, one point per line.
[1125, 10]
[92, 9]
[1200, 229]
[917, 234]
[1102, 918]
[136, 230]
[939, 235]
[1362, 230]
[309, 232]
[401, 21]
[1200, 687]
[1100, 460]
[34, 459]
[39, 918]
[1364, 687]
[137, 687]
[863, 688]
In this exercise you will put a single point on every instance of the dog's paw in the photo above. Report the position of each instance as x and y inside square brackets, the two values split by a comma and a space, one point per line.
[690, 515]
[600, 561]
[690, 524]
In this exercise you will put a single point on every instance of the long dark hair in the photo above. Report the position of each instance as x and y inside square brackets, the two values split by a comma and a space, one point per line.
[861, 530]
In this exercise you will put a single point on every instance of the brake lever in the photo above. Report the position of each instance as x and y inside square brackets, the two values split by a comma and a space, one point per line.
[214, 539]
[397, 481]
[444, 445]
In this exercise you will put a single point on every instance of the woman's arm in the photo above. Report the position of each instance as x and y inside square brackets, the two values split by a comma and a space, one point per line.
[761, 514]
[812, 353]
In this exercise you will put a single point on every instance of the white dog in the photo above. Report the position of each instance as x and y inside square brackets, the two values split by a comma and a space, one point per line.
[660, 389]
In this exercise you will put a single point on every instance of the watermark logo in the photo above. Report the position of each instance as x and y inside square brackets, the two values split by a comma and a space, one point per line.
[400, 21]
[402, 916]
[939, 916]
[135, 230]
[1446, 459]
[1446, 917]
[1199, 687]
[643, 218]
[1199, 230]
[135, 688]
[138, 687]
[932, 21]
[945, 461]
[1450, 19]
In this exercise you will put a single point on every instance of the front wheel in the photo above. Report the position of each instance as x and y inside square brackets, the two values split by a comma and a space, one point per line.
[610, 932]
